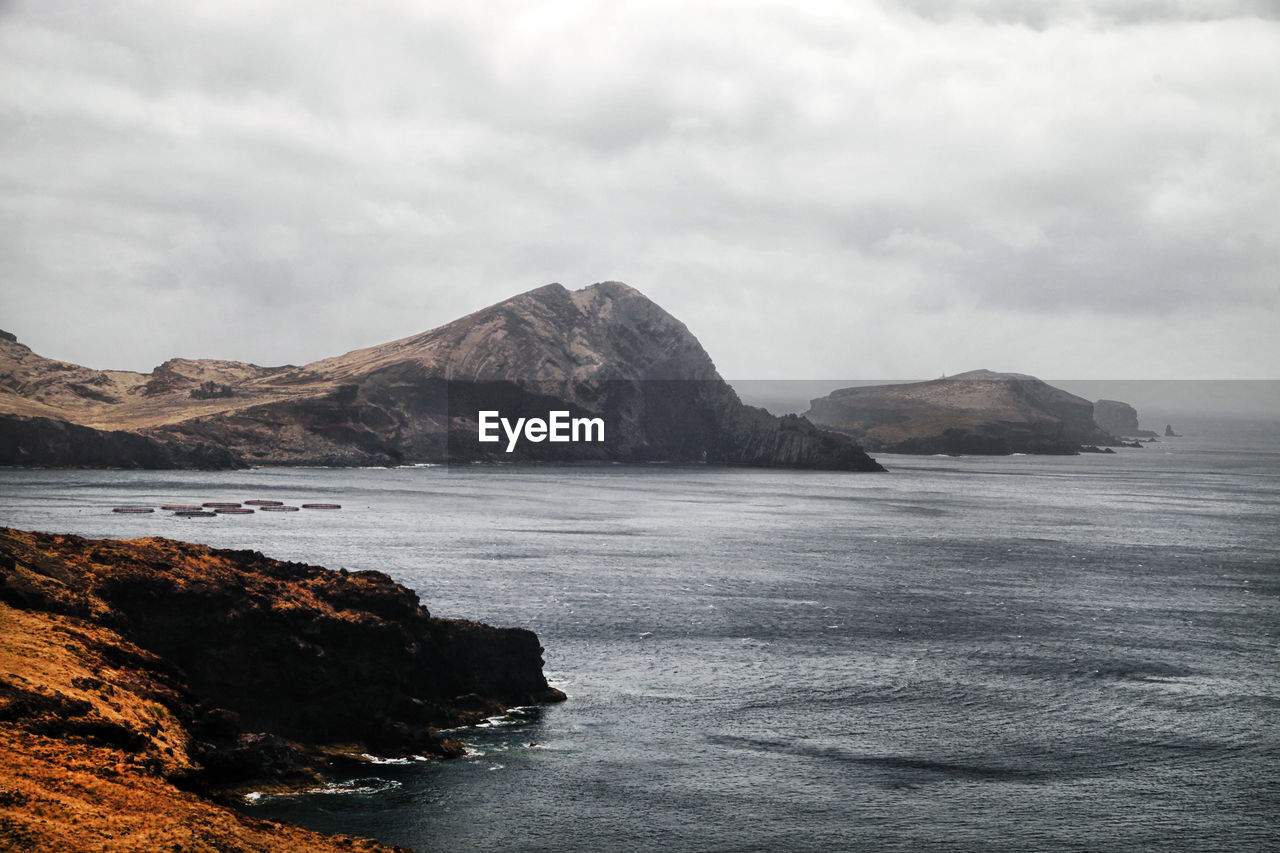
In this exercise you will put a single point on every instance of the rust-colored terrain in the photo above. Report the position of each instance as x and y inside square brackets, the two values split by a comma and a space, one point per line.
[142, 682]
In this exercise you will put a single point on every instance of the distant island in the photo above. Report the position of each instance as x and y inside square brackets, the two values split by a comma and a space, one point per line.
[605, 351]
[144, 683]
[979, 412]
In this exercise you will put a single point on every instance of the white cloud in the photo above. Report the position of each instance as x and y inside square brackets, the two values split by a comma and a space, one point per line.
[891, 189]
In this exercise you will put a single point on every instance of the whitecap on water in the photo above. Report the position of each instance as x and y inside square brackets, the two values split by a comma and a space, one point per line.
[356, 786]
[377, 759]
[367, 785]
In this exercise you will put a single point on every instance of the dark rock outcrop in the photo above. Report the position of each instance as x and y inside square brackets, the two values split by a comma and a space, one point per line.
[603, 351]
[142, 683]
[979, 412]
[1168, 431]
[268, 663]
[686, 421]
[50, 442]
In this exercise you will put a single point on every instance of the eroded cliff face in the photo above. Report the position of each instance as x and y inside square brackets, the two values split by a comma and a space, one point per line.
[149, 671]
[605, 350]
[979, 412]
[39, 441]
[1118, 418]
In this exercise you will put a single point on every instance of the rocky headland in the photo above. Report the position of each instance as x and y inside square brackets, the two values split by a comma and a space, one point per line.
[979, 412]
[1119, 419]
[143, 682]
[604, 351]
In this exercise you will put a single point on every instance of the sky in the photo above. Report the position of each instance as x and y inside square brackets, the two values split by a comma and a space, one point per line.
[1066, 188]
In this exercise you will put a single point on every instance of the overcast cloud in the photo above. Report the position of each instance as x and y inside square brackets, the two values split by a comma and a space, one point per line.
[825, 189]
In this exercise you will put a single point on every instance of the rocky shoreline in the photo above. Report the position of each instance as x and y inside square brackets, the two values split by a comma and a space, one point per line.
[146, 684]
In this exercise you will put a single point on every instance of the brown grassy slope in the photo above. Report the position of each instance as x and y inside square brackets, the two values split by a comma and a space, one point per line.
[89, 742]
[35, 386]
[327, 658]
[135, 672]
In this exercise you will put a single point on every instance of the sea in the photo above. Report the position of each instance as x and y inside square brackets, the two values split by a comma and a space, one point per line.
[983, 653]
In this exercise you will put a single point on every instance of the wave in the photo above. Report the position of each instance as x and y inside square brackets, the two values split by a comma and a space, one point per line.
[377, 759]
[370, 785]
[364, 786]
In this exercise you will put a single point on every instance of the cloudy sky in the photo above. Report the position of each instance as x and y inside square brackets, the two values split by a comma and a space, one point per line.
[1070, 188]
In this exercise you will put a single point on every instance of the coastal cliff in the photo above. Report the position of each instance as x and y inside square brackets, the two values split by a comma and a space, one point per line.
[1119, 419]
[604, 351]
[26, 440]
[979, 412]
[140, 681]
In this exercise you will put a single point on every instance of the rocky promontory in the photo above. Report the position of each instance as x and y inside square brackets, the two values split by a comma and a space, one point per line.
[979, 412]
[1120, 419]
[141, 681]
[605, 351]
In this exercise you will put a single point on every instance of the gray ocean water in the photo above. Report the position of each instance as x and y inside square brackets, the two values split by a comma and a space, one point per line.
[1017, 653]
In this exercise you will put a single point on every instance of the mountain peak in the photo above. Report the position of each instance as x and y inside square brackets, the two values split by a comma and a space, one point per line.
[602, 332]
[606, 350]
[985, 375]
[589, 299]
